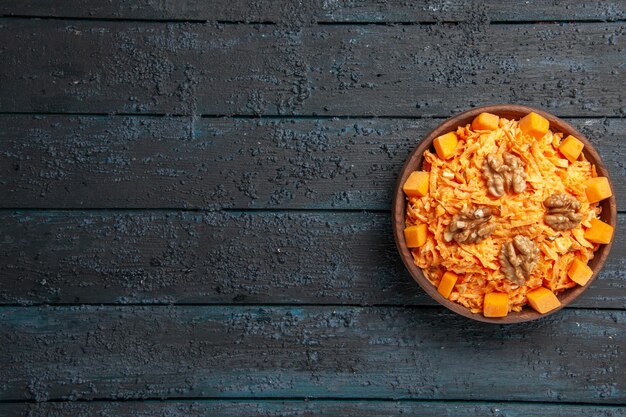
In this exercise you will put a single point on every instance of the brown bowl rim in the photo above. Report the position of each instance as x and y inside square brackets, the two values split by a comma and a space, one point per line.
[414, 161]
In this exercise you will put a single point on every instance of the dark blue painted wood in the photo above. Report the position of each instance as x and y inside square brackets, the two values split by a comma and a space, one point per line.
[169, 162]
[294, 67]
[431, 70]
[311, 408]
[286, 11]
[222, 351]
[215, 257]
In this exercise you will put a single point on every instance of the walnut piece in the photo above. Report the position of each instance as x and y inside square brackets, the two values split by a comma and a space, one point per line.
[470, 226]
[518, 258]
[562, 211]
[504, 176]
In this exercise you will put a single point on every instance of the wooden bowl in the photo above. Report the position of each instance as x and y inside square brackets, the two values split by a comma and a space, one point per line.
[414, 162]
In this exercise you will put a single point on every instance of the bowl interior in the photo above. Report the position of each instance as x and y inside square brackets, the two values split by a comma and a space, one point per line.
[414, 162]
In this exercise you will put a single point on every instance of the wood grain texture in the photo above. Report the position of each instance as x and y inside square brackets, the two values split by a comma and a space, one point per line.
[170, 162]
[172, 257]
[431, 70]
[310, 408]
[217, 352]
[321, 11]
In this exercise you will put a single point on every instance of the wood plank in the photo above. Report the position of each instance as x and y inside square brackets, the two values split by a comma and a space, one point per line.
[321, 11]
[212, 257]
[167, 162]
[221, 352]
[244, 408]
[431, 70]
[491, 10]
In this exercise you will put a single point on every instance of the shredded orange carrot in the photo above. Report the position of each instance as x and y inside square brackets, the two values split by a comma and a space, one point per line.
[457, 183]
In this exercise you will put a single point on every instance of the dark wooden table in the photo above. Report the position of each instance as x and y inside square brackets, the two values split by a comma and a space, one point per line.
[195, 207]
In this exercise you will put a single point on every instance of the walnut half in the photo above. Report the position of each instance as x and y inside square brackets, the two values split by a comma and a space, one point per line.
[518, 258]
[562, 211]
[504, 176]
[470, 226]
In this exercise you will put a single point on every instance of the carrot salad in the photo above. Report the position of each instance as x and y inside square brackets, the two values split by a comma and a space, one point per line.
[456, 183]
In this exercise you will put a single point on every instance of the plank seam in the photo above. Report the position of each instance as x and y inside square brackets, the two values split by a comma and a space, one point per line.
[102, 19]
[132, 19]
[314, 399]
[267, 305]
[268, 116]
[319, 22]
[194, 210]
[200, 210]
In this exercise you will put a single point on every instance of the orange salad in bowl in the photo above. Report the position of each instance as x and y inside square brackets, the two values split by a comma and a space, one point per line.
[505, 213]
